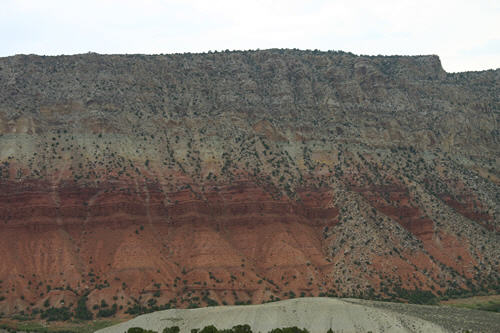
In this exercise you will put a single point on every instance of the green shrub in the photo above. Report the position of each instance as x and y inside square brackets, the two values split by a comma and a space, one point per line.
[81, 311]
[139, 330]
[173, 329]
[241, 329]
[56, 314]
[107, 312]
[136, 309]
[294, 329]
[417, 296]
[209, 329]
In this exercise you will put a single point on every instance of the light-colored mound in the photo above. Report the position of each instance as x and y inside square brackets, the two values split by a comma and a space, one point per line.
[315, 314]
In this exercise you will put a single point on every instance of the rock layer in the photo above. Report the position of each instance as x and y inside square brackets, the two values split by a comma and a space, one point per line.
[244, 177]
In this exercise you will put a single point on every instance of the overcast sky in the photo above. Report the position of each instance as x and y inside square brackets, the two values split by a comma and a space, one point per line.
[465, 34]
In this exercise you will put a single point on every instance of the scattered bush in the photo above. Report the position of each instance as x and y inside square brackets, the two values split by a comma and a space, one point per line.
[56, 314]
[107, 312]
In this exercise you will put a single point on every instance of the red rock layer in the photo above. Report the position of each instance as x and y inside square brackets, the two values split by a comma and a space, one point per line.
[232, 243]
[62, 237]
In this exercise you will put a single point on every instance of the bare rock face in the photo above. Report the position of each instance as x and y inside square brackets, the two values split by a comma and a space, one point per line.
[244, 177]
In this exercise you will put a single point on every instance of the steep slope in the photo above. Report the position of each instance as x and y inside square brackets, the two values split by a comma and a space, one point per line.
[244, 177]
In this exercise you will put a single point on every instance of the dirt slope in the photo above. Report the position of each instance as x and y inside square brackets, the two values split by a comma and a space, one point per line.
[315, 314]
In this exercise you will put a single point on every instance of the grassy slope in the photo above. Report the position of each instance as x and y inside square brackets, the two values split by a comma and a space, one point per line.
[70, 326]
[485, 303]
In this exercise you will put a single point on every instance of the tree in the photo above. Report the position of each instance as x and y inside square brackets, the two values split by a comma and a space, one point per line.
[81, 311]
[173, 329]
[209, 329]
[242, 329]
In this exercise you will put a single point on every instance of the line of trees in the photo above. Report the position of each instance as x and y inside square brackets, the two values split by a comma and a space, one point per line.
[213, 329]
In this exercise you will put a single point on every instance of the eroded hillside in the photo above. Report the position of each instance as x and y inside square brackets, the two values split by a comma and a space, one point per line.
[244, 177]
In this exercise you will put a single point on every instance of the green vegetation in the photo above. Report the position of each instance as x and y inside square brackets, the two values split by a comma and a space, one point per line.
[173, 329]
[213, 329]
[417, 296]
[294, 329]
[81, 311]
[107, 312]
[138, 309]
[56, 314]
[139, 330]
[493, 305]
[68, 327]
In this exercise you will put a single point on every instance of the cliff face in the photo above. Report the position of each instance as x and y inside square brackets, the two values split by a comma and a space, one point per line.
[244, 177]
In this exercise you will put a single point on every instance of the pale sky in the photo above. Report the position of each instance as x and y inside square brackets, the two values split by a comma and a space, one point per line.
[465, 34]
